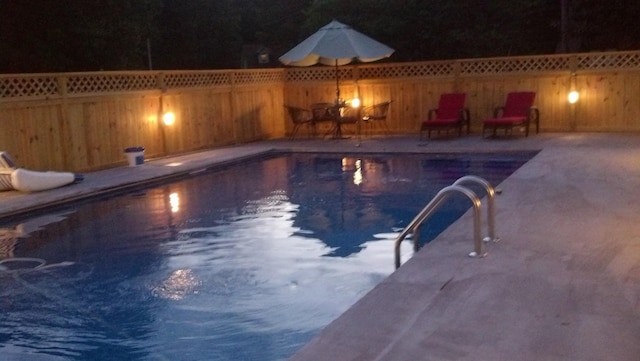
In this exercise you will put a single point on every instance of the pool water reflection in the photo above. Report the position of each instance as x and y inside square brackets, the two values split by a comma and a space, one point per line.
[244, 263]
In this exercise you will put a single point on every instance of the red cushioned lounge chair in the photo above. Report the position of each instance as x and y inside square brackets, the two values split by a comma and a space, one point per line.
[518, 111]
[450, 114]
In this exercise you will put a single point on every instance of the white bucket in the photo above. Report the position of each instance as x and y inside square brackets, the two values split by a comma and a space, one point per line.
[135, 156]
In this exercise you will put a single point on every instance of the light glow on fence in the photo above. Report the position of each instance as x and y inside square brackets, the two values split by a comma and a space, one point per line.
[168, 118]
[573, 97]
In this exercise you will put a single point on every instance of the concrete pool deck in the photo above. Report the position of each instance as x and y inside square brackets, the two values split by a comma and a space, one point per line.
[562, 284]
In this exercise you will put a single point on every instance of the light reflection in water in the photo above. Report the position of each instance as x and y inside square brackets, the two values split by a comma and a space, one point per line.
[357, 175]
[174, 201]
[180, 284]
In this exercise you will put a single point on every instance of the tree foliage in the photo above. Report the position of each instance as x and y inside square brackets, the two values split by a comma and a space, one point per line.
[75, 35]
[598, 25]
[443, 29]
[81, 35]
[198, 34]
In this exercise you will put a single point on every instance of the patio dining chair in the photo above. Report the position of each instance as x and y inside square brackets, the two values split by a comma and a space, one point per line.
[300, 116]
[324, 113]
[518, 111]
[376, 114]
[450, 114]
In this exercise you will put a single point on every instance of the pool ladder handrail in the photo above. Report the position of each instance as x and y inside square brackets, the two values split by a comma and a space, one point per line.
[491, 193]
[437, 201]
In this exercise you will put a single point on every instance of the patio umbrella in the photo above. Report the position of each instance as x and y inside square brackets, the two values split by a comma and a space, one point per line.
[336, 44]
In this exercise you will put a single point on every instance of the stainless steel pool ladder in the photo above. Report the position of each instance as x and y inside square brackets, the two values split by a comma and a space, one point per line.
[438, 200]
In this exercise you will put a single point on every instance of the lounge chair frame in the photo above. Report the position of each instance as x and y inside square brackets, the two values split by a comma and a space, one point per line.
[440, 119]
[513, 115]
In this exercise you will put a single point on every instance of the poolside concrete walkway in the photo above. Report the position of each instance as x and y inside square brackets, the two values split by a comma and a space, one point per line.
[562, 284]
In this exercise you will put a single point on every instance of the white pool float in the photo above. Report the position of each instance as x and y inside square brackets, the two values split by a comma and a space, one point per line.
[32, 181]
[25, 180]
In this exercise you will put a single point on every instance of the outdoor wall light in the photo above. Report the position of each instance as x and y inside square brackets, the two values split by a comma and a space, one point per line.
[168, 118]
[573, 96]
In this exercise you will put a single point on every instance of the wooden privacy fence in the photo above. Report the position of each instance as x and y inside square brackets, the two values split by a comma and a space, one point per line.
[608, 84]
[83, 121]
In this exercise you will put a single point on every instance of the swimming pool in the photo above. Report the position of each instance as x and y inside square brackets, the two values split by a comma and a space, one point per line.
[243, 263]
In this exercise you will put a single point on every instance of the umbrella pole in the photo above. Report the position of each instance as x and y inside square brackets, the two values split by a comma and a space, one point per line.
[337, 83]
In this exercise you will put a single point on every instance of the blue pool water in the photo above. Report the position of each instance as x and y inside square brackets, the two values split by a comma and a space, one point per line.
[243, 263]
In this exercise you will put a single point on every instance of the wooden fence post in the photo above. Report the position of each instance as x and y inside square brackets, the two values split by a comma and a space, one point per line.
[232, 82]
[161, 128]
[457, 70]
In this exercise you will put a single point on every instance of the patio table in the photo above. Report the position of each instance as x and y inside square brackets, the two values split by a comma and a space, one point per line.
[336, 113]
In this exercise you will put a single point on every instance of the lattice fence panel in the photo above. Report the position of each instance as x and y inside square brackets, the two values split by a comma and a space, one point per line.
[319, 73]
[14, 87]
[517, 65]
[108, 83]
[196, 79]
[408, 71]
[47, 85]
[372, 72]
[258, 77]
[608, 61]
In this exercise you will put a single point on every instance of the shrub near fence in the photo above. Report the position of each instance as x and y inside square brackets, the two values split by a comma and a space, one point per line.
[83, 121]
